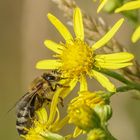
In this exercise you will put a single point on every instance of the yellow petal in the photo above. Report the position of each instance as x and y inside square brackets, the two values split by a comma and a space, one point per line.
[136, 35]
[115, 57]
[33, 137]
[53, 46]
[83, 84]
[49, 135]
[48, 64]
[70, 84]
[108, 35]
[42, 115]
[102, 4]
[112, 65]
[129, 6]
[57, 117]
[53, 109]
[60, 124]
[60, 27]
[104, 81]
[77, 132]
[78, 24]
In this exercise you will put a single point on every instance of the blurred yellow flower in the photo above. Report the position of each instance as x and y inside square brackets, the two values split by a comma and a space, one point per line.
[76, 59]
[132, 5]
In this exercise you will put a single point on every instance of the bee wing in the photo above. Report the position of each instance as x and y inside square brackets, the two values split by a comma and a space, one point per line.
[26, 100]
[28, 96]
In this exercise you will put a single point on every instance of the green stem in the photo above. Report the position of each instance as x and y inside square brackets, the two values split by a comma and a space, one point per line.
[132, 17]
[119, 89]
[124, 89]
[109, 135]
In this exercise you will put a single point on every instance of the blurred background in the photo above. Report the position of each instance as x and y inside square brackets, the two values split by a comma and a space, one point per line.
[23, 28]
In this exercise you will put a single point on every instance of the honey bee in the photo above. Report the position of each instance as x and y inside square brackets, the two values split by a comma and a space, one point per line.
[39, 93]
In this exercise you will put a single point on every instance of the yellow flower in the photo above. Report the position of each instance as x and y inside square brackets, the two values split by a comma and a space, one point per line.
[84, 111]
[45, 127]
[39, 126]
[40, 129]
[132, 5]
[76, 59]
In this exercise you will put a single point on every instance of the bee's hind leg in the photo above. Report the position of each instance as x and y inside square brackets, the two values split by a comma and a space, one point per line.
[61, 101]
[58, 85]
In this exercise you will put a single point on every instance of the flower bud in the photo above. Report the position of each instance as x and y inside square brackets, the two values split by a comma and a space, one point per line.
[52, 136]
[104, 112]
[45, 135]
[97, 134]
[84, 117]
[111, 5]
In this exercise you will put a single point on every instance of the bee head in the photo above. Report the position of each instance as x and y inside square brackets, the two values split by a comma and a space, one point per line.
[51, 77]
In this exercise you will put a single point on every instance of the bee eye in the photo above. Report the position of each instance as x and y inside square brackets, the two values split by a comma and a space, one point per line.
[50, 78]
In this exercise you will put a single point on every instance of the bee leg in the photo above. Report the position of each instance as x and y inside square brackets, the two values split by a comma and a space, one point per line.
[61, 101]
[56, 71]
[31, 112]
[58, 85]
[48, 99]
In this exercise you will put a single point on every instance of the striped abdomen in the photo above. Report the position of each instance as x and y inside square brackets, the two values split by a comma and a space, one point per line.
[25, 113]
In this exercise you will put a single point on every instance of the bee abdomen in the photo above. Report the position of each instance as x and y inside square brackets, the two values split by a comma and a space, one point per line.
[23, 121]
[21, 130]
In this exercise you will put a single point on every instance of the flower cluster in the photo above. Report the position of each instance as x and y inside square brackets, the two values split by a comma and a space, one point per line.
[75, 59]
[87, 112]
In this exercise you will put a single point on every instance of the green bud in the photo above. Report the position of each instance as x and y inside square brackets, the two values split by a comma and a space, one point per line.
[111, 5]
[84, 117]
[51, 136]
[97, 134]
[104, 112]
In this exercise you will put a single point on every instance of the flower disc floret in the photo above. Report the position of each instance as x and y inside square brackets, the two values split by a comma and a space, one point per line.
[73, 65]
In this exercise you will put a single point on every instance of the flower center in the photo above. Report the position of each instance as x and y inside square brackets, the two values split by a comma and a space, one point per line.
[77, 58]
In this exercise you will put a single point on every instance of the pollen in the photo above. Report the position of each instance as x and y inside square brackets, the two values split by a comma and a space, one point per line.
[77, 58]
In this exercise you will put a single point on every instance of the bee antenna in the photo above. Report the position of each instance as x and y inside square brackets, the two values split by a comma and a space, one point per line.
[63, 78]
